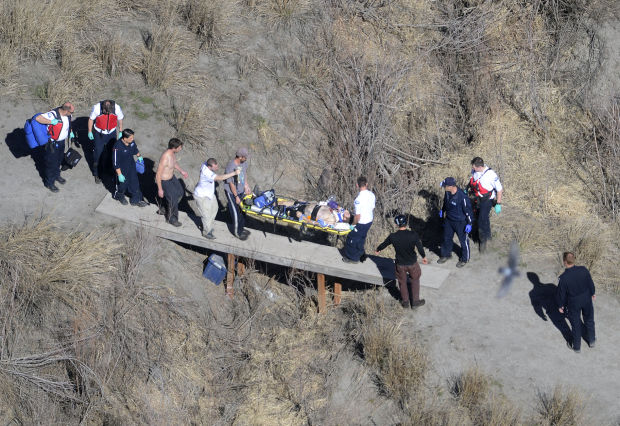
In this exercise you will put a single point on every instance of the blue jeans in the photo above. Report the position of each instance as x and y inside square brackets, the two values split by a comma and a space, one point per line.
[354, 246]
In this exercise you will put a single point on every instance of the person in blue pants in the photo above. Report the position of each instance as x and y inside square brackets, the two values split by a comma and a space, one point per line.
[127, 178]
[457, 217]
[362, 221]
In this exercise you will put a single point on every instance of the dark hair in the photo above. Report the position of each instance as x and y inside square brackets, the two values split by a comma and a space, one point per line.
[107, 107]
[67, 106]
[211, 162]
[568, 257]
[126, 133]
[477, 162]
[362, 181]
[174, 143]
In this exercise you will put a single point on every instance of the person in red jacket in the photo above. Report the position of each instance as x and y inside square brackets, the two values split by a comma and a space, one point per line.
[104, 118]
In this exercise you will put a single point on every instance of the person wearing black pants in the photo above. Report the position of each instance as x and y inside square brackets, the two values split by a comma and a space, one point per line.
[59, 128]
[486, 191]
[406, 263]
[104, 118]
[236, 186]
[576, 293]
[168, 186]
[457, 215]
[362, 221]
[125, 166]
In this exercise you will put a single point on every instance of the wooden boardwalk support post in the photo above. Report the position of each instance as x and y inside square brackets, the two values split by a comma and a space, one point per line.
[230, 277]
[337, 293]
[321, 289]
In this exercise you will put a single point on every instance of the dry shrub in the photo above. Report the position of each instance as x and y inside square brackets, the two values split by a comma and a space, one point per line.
[168, 56]
[213, 22]
[190, 120]
[9, 78]
[284, 13]
[471, 388]
[115, 53]
[80, 75]
[560, 408]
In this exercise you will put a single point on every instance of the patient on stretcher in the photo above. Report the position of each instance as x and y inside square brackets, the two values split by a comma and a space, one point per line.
[321, 214]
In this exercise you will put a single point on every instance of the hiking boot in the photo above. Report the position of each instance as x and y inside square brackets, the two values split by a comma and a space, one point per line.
[161, 210]
[242, 237]
[208, 235]
[122, 200]
[347, 260]
[176, 223]
[417, 304]
[570, 346]
[61, 180]
[97, 180]
[592, 343]
[140, 203]
[404, 304]
[460, 264]
[443, 259]
[52, 188]
[245, 233]
[363, 257]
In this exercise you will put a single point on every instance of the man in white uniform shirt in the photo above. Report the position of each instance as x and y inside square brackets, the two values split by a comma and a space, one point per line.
[364, 215]
[486, 191]
[102, 123]
[58, 129]
[204, 194]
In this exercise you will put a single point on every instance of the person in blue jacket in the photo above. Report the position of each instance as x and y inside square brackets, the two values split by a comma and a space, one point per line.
[125, 166]
[457, 215]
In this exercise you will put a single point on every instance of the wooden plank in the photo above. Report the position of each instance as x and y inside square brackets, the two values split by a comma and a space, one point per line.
[337, 293]
[230, 276]
[240, 268]
[320, 278]
[270, 248]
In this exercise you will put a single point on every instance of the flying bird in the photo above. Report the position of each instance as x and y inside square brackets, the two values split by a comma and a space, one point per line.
[509, 272]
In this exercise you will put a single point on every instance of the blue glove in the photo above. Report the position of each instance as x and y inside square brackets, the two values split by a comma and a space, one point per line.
[120, 134]
[351, 227]
[54, 122]
[140, 159]
[440, 214]
[121, 178]
[90, 136]
[498, 208]
[468, 228]
[71, 135]
[321, 223]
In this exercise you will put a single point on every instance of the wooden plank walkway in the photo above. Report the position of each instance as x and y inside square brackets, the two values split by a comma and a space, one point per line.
[267, 247]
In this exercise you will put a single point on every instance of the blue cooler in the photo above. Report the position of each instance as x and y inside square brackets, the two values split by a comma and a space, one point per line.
[215, 270]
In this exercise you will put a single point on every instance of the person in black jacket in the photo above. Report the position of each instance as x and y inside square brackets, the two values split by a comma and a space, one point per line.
[457, 215]
[575, 294]
[125, 167]
[404, 242]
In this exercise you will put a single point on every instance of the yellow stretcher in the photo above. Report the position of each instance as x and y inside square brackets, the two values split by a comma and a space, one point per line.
[277, 215]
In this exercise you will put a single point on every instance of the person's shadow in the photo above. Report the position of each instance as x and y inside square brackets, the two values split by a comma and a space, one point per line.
[542, 297]
[16, 142]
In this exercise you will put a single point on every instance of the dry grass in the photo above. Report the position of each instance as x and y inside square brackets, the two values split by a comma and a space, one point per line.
[213, 22]
[9, 77]
[115, 53]
[470, 387]
[561, 407]
[168, 57]
[285, 14]
[191, 122]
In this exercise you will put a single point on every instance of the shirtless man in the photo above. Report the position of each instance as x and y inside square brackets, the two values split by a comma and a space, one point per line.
[168, 186]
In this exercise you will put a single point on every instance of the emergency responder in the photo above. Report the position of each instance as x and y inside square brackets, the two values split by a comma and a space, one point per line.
[486, 191]
[575, 294]
[404, 242]
[364, 214]
[127, 178]
[457, 218]
[104, 117]
[59, 128]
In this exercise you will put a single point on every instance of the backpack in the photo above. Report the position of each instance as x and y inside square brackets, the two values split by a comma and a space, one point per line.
[37, 134]
[265, 199]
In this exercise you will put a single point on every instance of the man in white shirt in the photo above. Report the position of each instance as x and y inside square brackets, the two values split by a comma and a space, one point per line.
[364, 215]
[486, 191]
[102, 122]
[204, 194]
[58, 129]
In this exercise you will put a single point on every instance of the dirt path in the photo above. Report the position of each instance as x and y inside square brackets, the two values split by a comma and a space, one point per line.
[463, 322]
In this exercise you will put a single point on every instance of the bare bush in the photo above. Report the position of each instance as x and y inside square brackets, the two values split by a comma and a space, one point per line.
[560, 407]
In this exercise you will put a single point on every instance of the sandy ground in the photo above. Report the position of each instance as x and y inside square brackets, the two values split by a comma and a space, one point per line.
[463, 322]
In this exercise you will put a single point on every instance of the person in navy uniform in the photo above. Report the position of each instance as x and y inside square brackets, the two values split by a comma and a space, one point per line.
[457, 215]
[125, 166]
[575, 294]
[406, 262]
[58, 129]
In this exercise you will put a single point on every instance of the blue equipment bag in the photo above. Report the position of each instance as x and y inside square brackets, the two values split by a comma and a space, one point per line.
[266, 199]
[140, 166]
[36, 133]
[215, 270]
